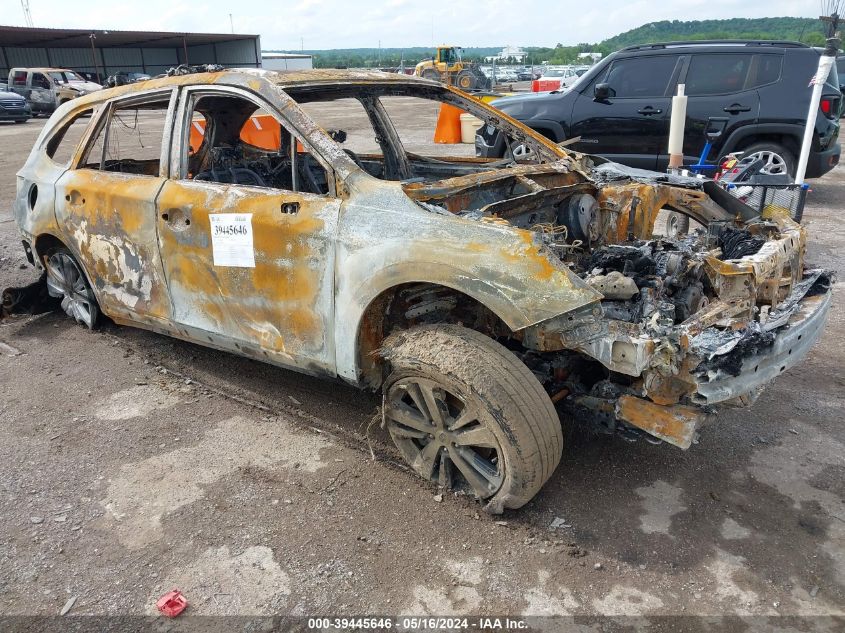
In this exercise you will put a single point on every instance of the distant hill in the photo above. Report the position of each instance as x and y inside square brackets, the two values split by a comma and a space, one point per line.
[808, 30]
[386, 57]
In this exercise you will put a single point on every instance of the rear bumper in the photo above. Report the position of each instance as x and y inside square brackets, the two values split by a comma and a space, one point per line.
[791, 344]
[819, 163]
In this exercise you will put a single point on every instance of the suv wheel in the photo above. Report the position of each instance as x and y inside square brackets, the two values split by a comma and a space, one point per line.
[67, 281]
[467, 414]
[777, 159]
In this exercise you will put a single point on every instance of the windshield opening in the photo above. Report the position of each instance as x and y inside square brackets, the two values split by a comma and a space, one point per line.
[417, 134]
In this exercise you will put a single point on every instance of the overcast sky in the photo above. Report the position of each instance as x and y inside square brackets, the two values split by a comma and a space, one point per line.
[283, 24]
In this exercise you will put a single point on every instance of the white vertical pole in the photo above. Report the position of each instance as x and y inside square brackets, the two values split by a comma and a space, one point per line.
[825, 64]
[677, 122]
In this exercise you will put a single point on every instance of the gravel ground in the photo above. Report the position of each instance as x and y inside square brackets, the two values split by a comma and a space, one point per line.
[131, 463]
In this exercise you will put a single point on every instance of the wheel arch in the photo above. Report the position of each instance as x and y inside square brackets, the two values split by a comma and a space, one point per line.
[783, 134]
[44, 242]
[384, 314]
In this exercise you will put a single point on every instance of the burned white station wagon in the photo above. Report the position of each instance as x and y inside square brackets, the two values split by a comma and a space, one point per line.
[485, 298]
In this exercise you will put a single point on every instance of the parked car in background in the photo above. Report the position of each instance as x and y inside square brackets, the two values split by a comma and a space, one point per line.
[755, 94]
[123, 77]
[14, 107]
[555, 79]
[89, 76]
[45, 89]
[504, 74]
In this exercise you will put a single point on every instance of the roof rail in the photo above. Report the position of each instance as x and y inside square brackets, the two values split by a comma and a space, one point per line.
[773, 43]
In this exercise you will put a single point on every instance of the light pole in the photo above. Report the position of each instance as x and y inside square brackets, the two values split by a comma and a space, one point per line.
[91, 38]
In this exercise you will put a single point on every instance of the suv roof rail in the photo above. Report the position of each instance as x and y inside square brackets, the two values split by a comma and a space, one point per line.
[773, 43]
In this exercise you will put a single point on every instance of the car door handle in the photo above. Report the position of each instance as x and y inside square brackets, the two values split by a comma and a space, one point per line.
[290, 208]
[648, 110]
[736, 108]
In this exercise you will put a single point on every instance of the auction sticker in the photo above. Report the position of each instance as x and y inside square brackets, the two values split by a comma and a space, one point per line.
[231, 239]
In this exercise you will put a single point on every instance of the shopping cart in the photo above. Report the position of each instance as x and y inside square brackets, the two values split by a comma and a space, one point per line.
[764, 196]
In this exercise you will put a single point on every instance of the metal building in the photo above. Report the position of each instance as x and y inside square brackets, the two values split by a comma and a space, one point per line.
[286, 61]
[104, 53]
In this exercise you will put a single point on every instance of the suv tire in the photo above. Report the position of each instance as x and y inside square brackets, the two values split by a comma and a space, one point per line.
[66, 280]
[779, 160]
[494, 432]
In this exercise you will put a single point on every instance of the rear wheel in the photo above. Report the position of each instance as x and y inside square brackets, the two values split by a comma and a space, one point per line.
[66, 280]
[777, 159]
[467, 414]
[430, 73]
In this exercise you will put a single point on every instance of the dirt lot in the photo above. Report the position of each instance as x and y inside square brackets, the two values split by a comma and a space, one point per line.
[131, 463]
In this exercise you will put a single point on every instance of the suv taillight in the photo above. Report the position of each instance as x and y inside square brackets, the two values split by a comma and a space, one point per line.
[829, 107]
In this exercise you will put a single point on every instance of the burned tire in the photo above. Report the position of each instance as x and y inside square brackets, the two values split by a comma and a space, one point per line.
[677, 225]
[66, 280]
[467, 414]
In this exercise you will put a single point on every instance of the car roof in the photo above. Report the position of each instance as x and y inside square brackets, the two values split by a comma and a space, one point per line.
[717, 45]
[284, 79]
[44, 69]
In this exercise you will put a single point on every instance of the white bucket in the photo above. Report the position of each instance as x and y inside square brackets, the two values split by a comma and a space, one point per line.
[469, 126]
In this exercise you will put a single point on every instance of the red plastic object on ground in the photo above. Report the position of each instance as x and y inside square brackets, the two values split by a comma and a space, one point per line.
[172, 603]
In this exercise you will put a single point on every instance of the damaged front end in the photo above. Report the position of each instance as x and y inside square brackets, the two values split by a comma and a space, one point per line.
[682, 324]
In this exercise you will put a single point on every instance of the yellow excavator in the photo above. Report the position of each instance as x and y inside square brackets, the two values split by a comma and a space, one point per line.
[447, 67]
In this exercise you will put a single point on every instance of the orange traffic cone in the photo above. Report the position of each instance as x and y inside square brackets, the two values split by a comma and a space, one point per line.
[448, 124]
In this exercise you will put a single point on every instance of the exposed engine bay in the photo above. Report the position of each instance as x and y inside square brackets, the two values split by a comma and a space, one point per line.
[678, 319]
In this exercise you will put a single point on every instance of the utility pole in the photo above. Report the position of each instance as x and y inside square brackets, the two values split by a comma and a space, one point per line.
[27, 15]
[93, 37]
[232, 24]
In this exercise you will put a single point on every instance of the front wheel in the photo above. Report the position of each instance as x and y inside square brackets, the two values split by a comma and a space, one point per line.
[467, 414]
[67, 281]
[465, 80]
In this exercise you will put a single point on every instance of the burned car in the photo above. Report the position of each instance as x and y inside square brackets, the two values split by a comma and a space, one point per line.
[484, 298]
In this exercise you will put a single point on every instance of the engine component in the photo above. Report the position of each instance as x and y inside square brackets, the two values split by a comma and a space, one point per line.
[614, 286]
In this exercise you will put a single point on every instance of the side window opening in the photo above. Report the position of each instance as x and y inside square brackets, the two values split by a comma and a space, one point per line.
[346, 121]
[40, 81]
[233, 141]
[768, 70]
[717, 73]
[61, 146]
[130, 142]
[640, 77]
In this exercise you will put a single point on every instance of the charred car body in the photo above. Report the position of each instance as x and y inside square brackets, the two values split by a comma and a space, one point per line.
[483, 297]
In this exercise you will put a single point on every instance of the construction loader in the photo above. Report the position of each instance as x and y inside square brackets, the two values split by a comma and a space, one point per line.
[448, 67]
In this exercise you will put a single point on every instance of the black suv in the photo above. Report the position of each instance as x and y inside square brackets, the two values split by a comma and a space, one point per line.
[750, 96]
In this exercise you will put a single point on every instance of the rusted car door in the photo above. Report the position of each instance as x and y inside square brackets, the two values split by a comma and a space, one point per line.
[249, 268]
[106, 205]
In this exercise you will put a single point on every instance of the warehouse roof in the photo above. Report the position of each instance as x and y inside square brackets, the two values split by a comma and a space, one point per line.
[77, 38]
